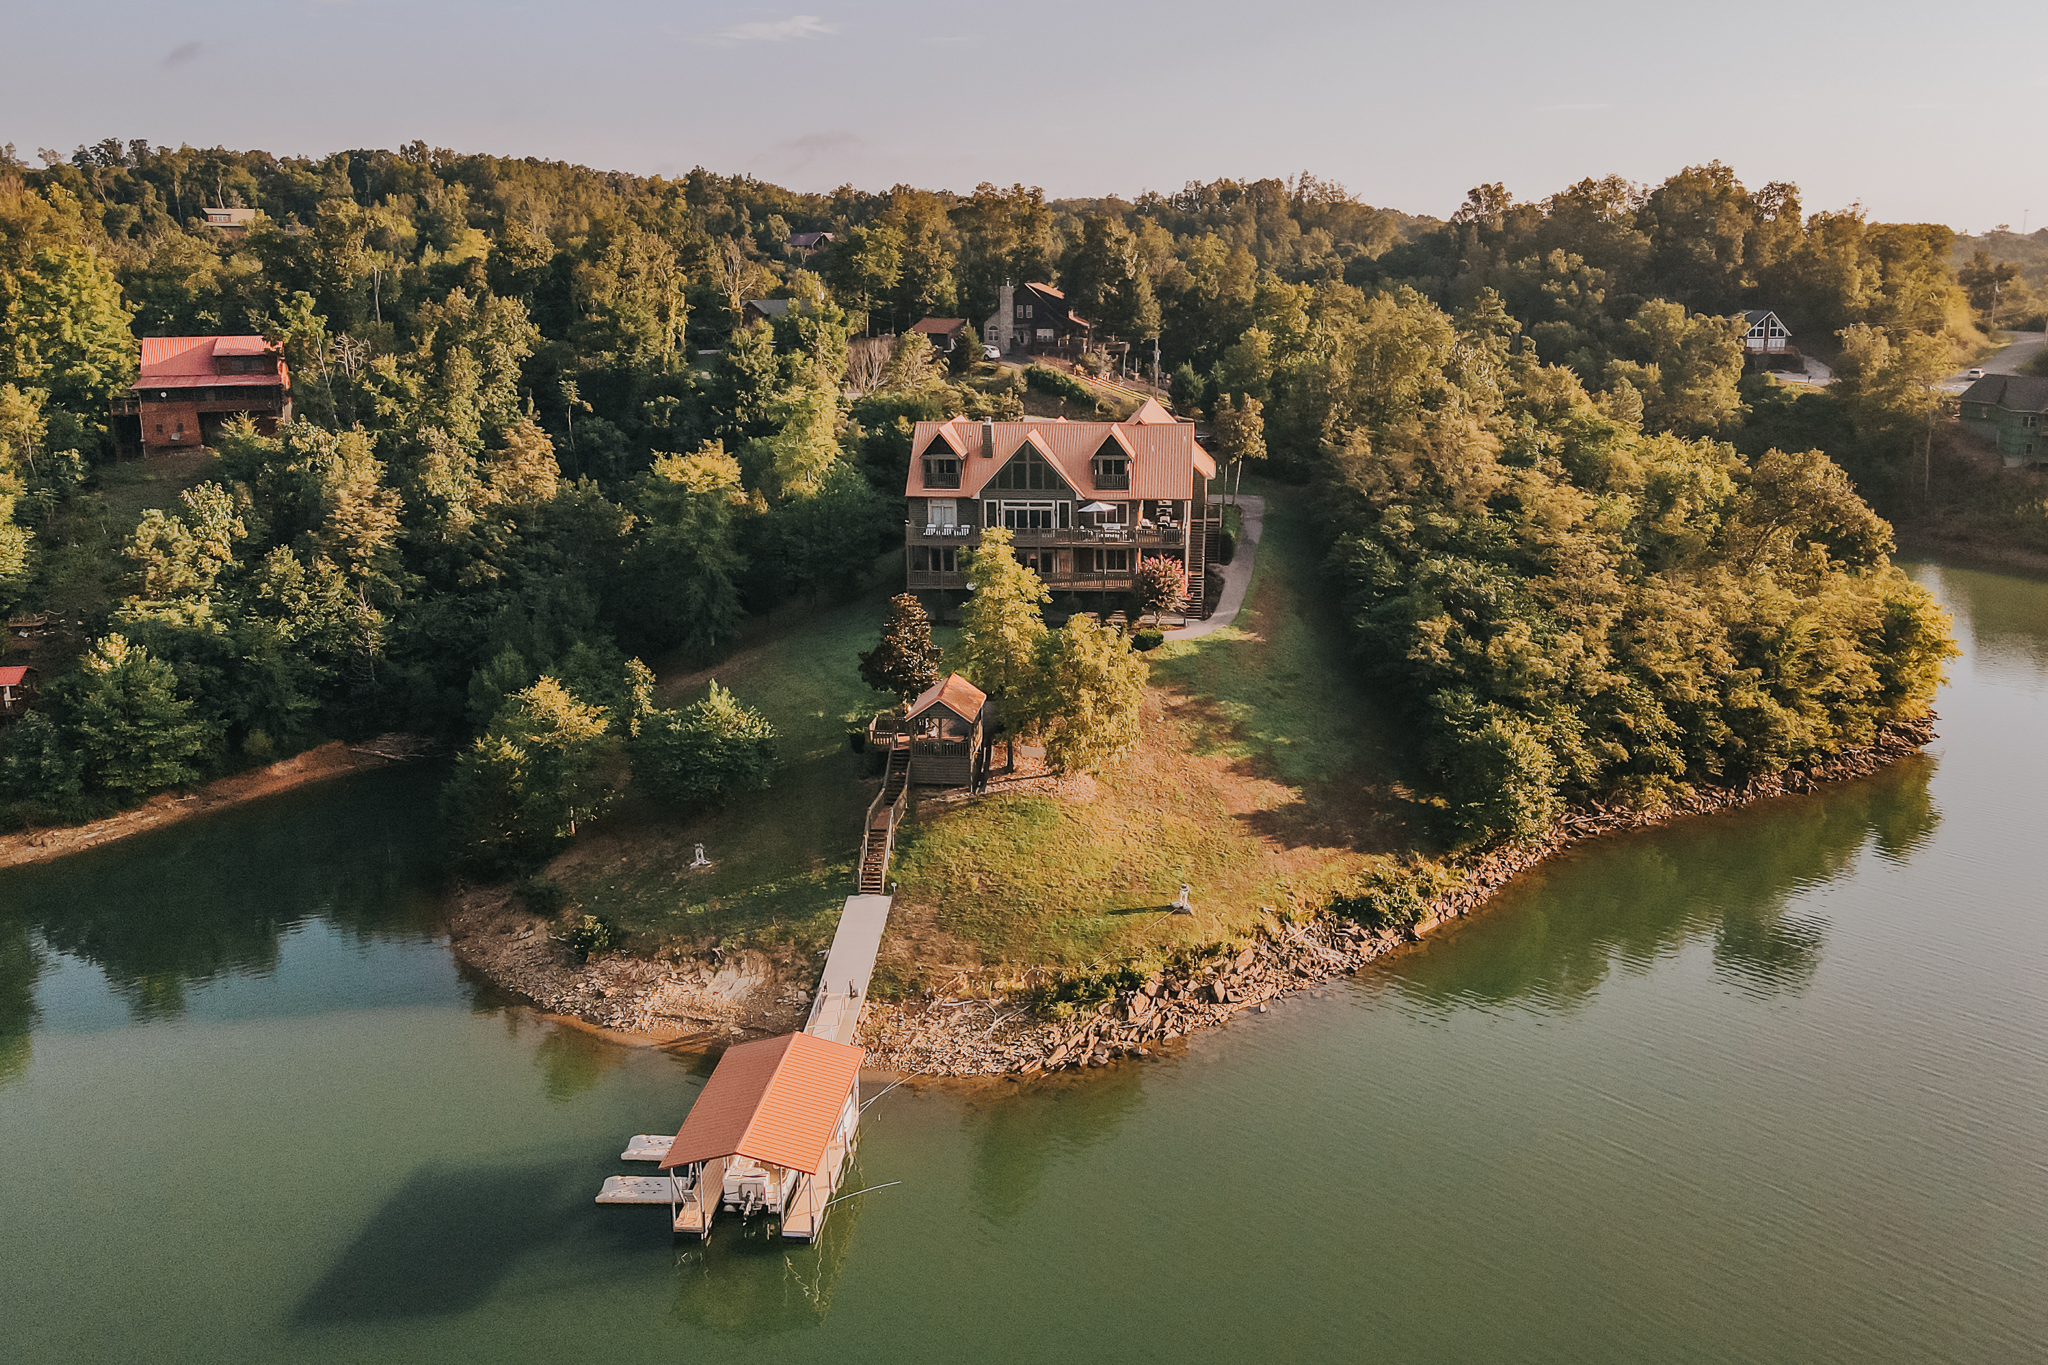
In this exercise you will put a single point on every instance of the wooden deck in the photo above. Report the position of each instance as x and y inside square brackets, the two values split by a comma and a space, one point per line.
[805, 1217]
[700, 1205]
[848, 968]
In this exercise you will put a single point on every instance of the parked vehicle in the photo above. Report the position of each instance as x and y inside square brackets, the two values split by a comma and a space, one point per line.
[1977, 373]
[991, 353]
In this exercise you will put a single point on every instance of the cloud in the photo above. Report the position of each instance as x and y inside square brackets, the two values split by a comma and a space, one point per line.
[799, 152]
[180, 55]
[777, 30]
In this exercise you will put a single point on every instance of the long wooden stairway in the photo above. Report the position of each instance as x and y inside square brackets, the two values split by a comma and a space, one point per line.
[878, 840]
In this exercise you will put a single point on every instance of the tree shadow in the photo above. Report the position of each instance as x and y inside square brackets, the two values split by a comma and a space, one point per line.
[1016, 1135]
[445, 1240]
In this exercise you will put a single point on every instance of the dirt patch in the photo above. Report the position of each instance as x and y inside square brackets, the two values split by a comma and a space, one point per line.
[672, 996]
[333, 759]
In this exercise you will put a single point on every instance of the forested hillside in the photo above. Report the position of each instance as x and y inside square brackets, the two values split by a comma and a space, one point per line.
[534, 441]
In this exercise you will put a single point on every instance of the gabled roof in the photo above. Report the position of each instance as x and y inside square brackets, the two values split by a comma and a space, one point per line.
[956, 694]
[776, 1101]
[773, 308]
[187, 362]
[803, 241]
[1753, 316]
[14, 676]
[2013, 392]
[939, 326]
[1164, 453]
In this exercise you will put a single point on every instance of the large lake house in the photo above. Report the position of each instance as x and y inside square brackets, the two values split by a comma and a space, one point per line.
[1082, 500]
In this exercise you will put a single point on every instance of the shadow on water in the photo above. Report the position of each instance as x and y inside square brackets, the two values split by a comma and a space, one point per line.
[749, 1282]
[446, 1239]
[1016, 1133]
[572, 1061]
[186, 905]
[18, 970]
[1633, 899]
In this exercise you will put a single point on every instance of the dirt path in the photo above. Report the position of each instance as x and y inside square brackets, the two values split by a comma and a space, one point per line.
[333, 759]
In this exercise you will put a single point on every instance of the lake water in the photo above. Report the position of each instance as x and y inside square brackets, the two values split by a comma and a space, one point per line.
[1768, 1086]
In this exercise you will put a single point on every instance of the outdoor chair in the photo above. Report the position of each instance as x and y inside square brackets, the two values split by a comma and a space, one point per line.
[931, 529]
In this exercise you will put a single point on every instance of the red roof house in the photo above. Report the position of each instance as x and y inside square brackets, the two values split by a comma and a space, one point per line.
[188, 386]
[18, 686]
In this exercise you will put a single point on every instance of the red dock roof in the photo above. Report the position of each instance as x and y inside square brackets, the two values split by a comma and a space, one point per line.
[776, 1101]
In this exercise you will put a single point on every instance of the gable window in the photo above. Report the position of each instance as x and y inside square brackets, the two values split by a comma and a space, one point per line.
[1028, 471]
[1112, 467]
[942, 471]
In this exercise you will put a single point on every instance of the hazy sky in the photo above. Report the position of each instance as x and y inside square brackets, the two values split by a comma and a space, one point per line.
[1919, 112]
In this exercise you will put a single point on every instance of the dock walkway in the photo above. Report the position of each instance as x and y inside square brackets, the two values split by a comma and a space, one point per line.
[849, 967]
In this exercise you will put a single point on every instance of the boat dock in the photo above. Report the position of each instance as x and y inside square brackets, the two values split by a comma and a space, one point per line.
[775, 1128]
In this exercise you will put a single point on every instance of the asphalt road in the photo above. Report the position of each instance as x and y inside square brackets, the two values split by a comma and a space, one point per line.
[2011, 360]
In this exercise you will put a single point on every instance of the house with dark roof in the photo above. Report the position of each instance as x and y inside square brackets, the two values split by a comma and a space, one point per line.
[804, 243]
[946, 334]
[1083, 501]
[2012, 411]
[188, 387]
[1035, 318]
[770, 310]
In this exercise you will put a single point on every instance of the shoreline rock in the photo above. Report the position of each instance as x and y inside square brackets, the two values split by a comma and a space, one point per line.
[702, 1001]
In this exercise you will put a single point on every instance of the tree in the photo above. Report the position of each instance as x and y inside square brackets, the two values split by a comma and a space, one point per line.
[135, 732]
[1188, 390]
[1091, 687]
[544, 766]
[64, 329]
[1001, 626]
[1238, 429]
[1689, 382]
[864, 266]
[906, 661]
[704, 753]
[1160, 584]
[1984, 281]
[687, 564]
[1106, 281]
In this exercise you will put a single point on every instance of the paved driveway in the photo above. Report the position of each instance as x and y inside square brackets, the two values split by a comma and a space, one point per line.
[1237, 574]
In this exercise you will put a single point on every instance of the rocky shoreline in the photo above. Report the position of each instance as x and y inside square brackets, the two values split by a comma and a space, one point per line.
[732, 995]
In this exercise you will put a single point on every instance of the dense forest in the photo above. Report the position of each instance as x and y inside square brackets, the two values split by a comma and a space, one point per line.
[534, 441]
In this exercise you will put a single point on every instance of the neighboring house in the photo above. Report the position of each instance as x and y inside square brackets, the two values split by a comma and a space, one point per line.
[1035, 318]
[2012, 410]
[18, 688]
[1083, 500]
[807, 242]
[188, 387]
[1766, 333]
[234, 221]
[947, 334]
[770, 310]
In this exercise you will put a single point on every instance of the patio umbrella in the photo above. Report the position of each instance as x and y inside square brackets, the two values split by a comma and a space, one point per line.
[1097, 507]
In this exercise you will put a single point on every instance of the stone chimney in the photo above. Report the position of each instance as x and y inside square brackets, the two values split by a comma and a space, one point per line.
[988, 440]
[997, 333]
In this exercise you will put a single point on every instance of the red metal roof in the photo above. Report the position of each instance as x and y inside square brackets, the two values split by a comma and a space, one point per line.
[938, 326]
[187, 363]
[15, 676]
[777, 1101]
[956, 694]
[1164, 454]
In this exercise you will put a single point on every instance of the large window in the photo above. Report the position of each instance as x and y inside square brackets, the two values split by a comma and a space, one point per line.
[943, 512]
[1028, 516]
[1089, 562]
[934, 558]
[1028, 470]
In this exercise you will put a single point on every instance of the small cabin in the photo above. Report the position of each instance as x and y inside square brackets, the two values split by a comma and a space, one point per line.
[948, 728]
[769, 1135]
[945, 334]
[18, 688]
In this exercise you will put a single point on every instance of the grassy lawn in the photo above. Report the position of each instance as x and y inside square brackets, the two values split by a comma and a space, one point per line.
[782, 860]
[1261, 782]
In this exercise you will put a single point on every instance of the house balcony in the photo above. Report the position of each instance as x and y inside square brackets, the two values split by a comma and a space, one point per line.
[1146, 536]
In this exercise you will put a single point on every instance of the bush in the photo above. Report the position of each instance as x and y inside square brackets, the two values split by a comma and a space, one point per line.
[704, 753]
[590, 935]
[1226, 548]
[1394, 898]
[1148, 638]
[1059, 384]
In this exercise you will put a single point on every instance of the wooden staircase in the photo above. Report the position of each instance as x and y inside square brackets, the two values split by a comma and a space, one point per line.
[878, 840]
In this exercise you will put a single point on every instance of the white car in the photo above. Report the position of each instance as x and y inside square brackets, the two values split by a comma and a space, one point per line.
[991, 353]
[1977, 373]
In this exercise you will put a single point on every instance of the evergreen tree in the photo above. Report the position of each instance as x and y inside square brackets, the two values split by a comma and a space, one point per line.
[906, 661]
[135, 732]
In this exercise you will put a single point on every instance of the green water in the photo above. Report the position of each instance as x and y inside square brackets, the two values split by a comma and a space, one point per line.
[1771, 1086]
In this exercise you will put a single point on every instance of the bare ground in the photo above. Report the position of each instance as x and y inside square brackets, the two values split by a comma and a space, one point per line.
[333, 759]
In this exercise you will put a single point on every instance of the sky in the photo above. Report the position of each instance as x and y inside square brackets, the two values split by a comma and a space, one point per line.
[1917, 112]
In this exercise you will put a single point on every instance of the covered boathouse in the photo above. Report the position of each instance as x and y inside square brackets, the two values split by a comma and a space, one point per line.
[771, 1132]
